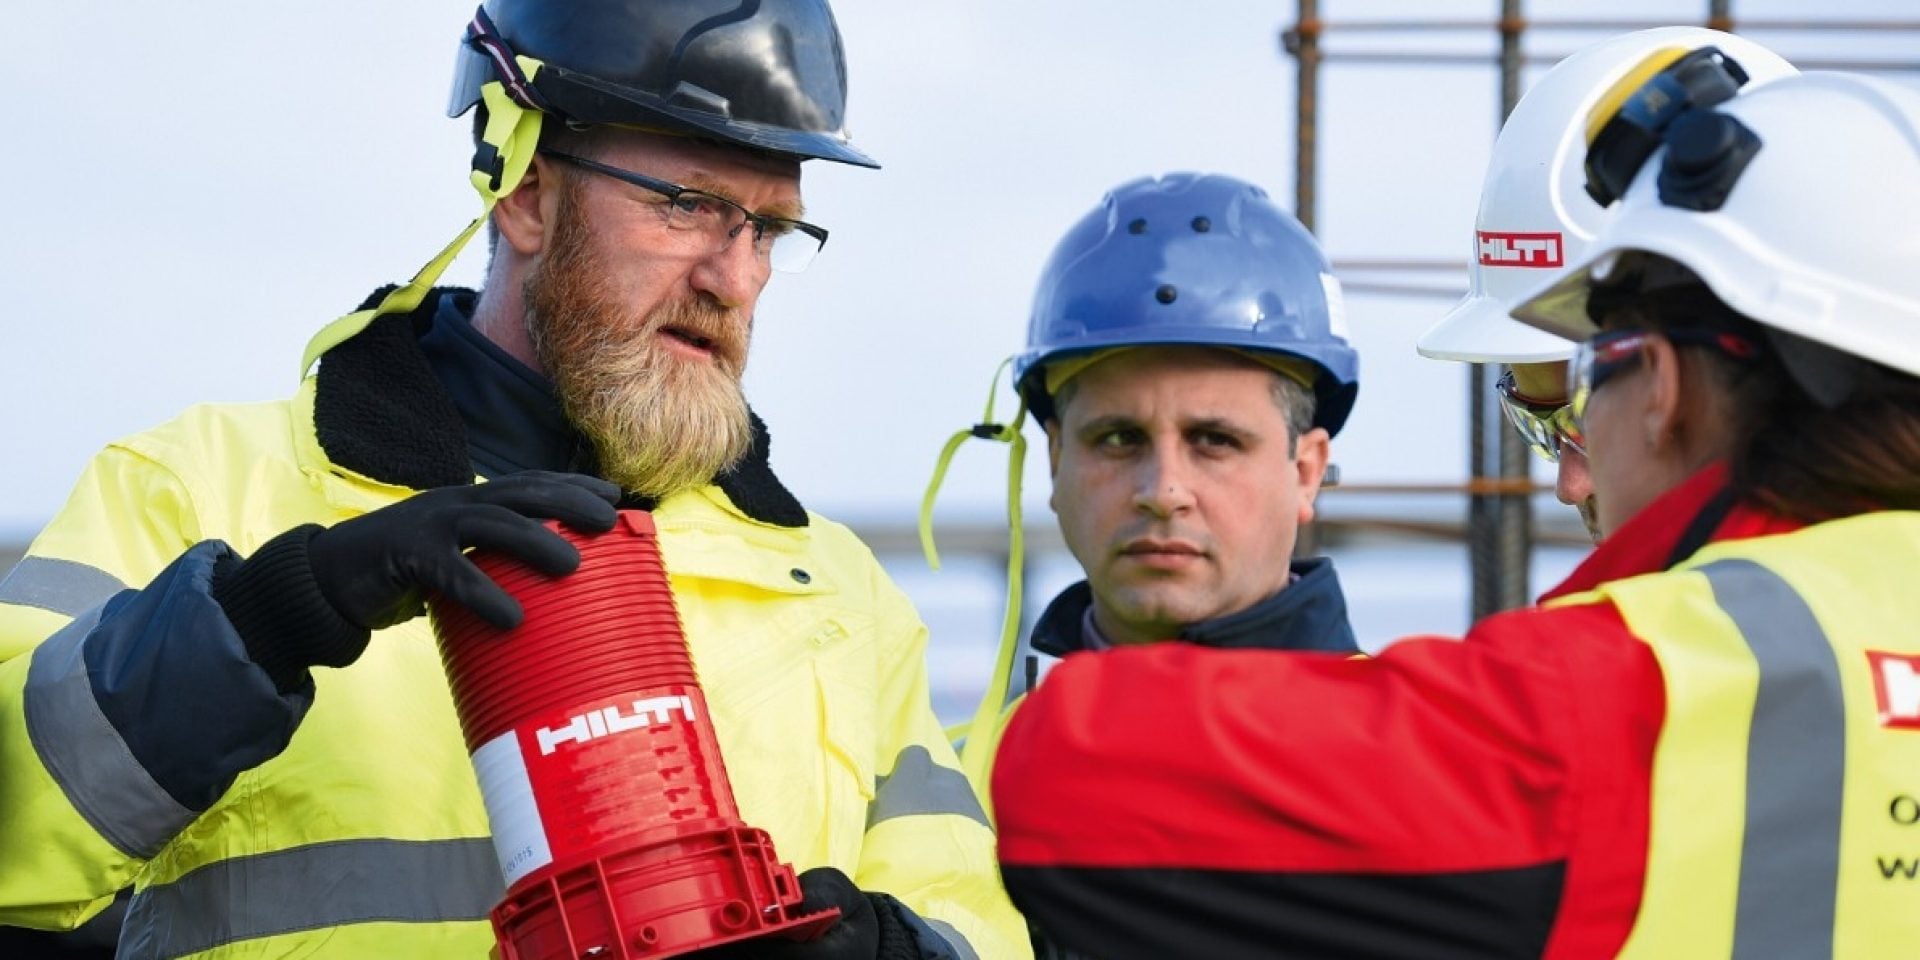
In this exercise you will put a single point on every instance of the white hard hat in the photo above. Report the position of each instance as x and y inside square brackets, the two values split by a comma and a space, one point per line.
[1812, 232]
[1535, 217]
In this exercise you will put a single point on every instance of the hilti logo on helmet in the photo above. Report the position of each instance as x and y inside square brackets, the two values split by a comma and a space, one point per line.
[607, 721]
[1520, 249]
[1896, 684]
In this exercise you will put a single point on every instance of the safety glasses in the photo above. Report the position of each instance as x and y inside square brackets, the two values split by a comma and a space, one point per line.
[704, 223]
[1545, 426]
[1607, 354]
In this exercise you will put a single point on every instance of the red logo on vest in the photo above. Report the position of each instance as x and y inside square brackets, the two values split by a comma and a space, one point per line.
[1896, 683]
[1519, 249]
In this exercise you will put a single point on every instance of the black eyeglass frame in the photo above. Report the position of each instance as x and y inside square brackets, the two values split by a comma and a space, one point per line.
[1612, 351]
[675, 193]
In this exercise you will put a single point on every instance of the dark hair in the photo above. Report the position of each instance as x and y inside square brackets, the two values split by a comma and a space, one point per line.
[1792, 454]
[1817, 463]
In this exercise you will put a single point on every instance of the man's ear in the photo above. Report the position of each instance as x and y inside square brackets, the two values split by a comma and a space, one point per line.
[525, 217]
[1310, 456]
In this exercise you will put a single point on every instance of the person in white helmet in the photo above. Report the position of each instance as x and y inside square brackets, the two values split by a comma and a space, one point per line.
[1534, 219]
[1706, 742]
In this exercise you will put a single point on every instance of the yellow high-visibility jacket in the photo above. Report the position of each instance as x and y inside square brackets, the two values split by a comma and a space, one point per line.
[1785, 786]
[138, 746]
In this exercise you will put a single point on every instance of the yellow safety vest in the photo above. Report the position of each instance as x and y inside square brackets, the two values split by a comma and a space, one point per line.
[1786, 783]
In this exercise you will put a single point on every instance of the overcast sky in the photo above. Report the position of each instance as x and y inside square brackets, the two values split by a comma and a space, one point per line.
[198, 187]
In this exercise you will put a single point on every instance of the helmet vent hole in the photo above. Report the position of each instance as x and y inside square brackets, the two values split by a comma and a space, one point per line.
[1166, 293]
[1137, 227]
[1202, 225]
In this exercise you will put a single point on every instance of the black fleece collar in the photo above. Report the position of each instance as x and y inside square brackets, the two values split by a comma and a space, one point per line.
[380, 411]
[1310, 614]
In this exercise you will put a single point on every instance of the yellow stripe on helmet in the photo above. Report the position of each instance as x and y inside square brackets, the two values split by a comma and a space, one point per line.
[1616, 97]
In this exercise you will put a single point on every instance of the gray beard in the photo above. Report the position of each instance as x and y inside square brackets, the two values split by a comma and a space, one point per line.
[659, 423]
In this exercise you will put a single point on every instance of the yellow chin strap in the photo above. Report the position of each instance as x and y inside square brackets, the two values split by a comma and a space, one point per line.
[987, 716]
[513, 131]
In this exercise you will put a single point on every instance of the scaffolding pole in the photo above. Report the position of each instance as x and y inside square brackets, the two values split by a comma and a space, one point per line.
[1503, 525]
[1303, 42]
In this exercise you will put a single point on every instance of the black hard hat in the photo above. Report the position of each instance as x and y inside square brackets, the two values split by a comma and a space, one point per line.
[767, 75]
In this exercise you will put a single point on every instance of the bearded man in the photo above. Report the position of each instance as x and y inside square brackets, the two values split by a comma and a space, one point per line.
[219, 688]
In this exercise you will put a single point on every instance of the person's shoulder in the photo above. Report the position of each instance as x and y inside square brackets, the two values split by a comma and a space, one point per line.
[215, 430]
[1585, 641]
[834, 547]
[819, 537]
[832, 535]
[1590, 616]
[819, 547]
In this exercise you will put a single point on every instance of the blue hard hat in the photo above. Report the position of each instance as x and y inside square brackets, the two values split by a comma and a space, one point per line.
[1192, 258]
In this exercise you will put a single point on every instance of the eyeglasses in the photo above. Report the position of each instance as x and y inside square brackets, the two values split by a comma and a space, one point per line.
[1545, 426]
[1598, 359]
[708, 223]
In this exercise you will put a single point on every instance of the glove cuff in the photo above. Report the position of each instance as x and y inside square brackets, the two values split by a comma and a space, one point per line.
[284, 621]
[897, 940]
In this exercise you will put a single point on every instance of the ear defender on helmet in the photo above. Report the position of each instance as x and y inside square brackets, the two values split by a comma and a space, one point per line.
[1706, 153]
[1668, 100]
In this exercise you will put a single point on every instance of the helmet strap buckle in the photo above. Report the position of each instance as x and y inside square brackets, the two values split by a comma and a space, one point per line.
[483, 36]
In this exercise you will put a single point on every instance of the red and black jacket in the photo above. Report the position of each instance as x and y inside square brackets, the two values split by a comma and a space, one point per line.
[1485, 797]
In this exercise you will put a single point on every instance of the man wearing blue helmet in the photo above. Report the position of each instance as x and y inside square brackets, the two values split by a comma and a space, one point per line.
[1187, 356]
[1188, 360]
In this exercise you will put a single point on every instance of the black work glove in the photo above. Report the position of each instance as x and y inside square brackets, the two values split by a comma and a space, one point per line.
[377, 569]
[871, 926]
[311, 596]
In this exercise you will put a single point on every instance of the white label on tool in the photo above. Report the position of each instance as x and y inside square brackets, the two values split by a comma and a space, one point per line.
[519, 837]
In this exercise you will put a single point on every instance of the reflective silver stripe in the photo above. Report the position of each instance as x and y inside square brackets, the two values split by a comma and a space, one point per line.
[312, 888]
[918, 786]
[962, 950]
[63, 586]
[1796, 768]
[84, 753]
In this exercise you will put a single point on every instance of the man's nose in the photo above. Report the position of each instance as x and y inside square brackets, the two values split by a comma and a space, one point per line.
[1163, 487]
[734, 274]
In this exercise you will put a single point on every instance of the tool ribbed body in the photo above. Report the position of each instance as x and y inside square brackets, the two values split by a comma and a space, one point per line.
[611, 812]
